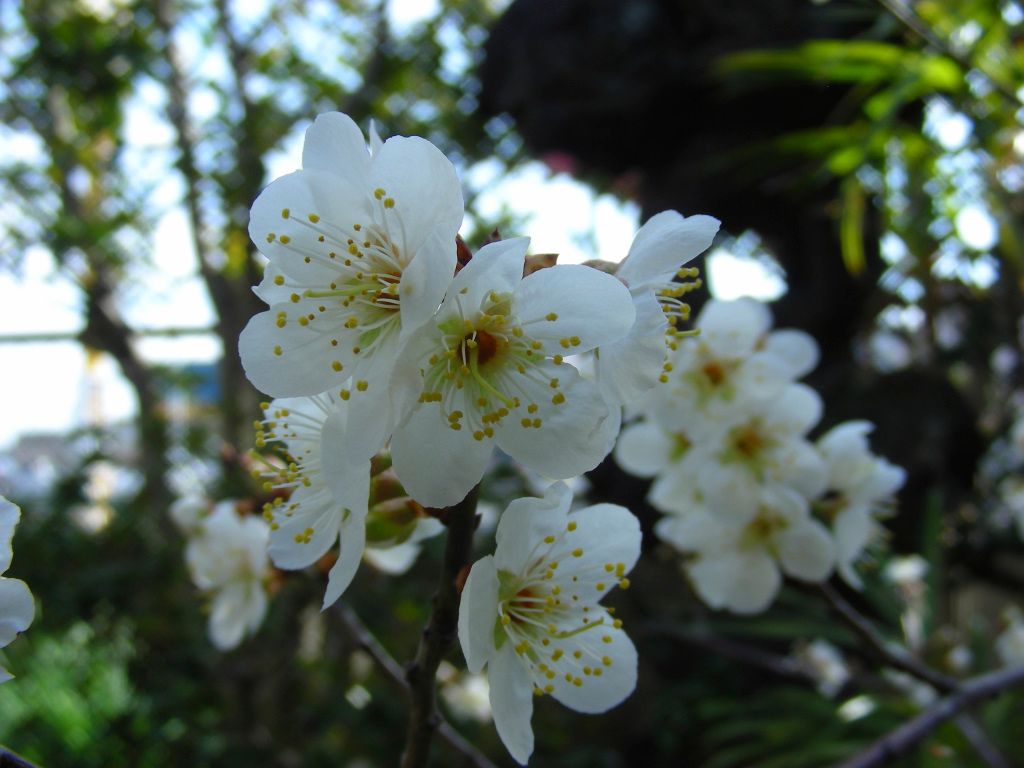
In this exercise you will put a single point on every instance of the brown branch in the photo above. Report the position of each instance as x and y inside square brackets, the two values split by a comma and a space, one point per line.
[895, 656]
[900, 658]
[902, 739]
[394, 671]
[439, 634]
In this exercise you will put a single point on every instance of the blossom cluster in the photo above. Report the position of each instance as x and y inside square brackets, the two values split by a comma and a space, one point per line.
[376, 338]
[744, 492]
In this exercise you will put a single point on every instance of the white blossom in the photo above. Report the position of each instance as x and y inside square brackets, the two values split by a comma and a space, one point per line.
[489, 370]
[361, 244]
[228, 558]
[738, 561]
[860, 486]
[530, 612]
[17, 609]
[329, 488]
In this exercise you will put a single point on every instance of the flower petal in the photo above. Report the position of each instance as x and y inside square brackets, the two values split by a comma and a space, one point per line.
[644, 449]
[731, 329]
[334, 144]
[426, 278]
[424, 185]
[478, 612]
[797, 349]
[606, 669]
[17, 609]
[806, 551]
[302, 537]
[573, 302]
[603, 548]
[436, 464]
[665, 243]
[353, 543]
[9, 516]
[511, 694]
[741, 582]
[293, 360]
[526, 521]
[568, 441]
[629, 367]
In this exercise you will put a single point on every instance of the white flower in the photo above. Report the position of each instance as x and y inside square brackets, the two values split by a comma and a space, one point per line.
[740, 559]
[860, 485]
[489, 370]
[629, 367]
[764, 449]
[361, 249]
[17, 608]
[1010, 642]
[530, 612]
[824, 662]
[229, 558]
[734, 365]
[188, 513]
[398, 558]
[330, 488]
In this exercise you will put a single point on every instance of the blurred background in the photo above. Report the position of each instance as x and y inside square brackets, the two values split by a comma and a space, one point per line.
[866, 159]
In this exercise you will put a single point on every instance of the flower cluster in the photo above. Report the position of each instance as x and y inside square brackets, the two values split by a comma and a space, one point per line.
[744, 491]
[530, 612]
[375, 341]
[227, 558]
[17, 608]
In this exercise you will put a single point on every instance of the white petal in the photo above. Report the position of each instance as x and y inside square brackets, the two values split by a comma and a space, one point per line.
[796, 410]
[353, 543]
[371, 418]
[495, 267]
[293, 360]
[732, 328]
[644, 449]
[478, 612]
[629, 367]
[797, 349]
[526, 521]
[347, 477]
[665, 243]
[806, 551]
[616, 660]
[586, 304]
[236, 609]
[570, 440]
[9, 516]
[437, 465]
[334, 144]
[604, 547]
[316, 511]
[17, 609]
[426, 278]
[288, 241]
[424, 186]
[744, 583]
[511, 693]
[394, 561]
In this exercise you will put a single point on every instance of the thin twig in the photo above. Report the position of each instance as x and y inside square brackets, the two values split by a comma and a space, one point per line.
[439, 634]
[901, 740]
[906, 15]
[9, 759]
[394, 671]
[900, 658]
[893, 655]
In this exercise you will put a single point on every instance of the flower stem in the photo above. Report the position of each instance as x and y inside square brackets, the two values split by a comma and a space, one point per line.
[440, 632]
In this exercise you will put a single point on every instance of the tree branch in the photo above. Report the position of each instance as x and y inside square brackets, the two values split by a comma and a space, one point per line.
[895, 656]
[394, 671]
[9, 759]
[439, 634]
[901, 740]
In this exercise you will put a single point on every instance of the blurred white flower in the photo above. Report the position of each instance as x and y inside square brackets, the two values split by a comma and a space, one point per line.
[17, 609]
[228, 558]
[825, 663]
[1010, 642]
